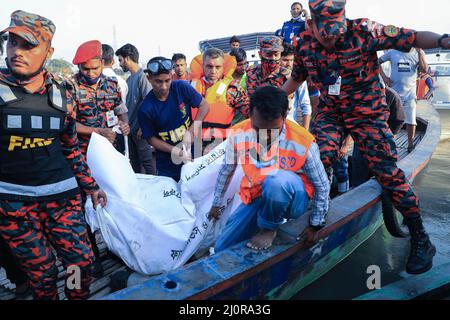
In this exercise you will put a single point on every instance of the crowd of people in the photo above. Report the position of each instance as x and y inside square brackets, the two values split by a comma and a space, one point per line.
[287, 121]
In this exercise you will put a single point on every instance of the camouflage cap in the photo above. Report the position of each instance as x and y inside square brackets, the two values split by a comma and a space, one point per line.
[329, 16]
[271, 44]
[31, 27]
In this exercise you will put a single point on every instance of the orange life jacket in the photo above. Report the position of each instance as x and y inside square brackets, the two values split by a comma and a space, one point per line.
[220, 114]
[289, 154]
[422, 88]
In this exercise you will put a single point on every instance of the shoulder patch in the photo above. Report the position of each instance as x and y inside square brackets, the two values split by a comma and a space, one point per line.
[391, 31]
[6, 94]
[369, 26]
[375, 28]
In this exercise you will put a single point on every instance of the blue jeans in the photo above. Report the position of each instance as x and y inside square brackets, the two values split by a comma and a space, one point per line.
[284, 197]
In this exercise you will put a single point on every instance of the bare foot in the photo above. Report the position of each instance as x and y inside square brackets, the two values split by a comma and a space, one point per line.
[262, 240]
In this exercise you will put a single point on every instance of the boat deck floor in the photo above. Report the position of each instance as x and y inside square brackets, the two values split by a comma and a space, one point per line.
[101, 286]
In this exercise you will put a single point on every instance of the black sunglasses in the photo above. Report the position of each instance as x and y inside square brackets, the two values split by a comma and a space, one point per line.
[159, 66]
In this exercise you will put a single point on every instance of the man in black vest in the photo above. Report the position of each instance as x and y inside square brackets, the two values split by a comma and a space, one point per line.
[7, 260]
[41, 166]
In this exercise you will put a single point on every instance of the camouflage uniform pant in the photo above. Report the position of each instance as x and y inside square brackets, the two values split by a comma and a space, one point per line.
[369, 129]
[31, 229]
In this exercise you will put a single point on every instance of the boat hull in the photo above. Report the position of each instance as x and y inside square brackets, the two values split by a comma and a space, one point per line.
[284, 280]
[288, 266]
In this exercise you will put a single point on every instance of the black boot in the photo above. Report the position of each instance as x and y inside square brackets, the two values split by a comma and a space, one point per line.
[422, 250]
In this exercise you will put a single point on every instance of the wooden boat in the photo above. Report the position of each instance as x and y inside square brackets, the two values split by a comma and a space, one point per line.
[287, 267]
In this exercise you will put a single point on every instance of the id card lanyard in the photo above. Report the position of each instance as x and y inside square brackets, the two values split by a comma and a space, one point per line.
[335, 89]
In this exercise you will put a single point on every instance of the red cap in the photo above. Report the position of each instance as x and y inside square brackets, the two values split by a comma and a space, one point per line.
[87, 51]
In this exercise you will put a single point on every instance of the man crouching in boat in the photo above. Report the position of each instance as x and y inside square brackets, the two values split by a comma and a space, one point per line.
[282, 172]
[339, 56]
[41, 165]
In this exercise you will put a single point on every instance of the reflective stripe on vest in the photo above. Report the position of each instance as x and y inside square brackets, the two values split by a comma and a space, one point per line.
[290, 155]
[57, 99]
[6, 93]
[39, 191]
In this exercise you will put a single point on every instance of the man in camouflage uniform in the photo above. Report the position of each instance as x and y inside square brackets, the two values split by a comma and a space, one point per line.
[340, 57]
[269, 72]
[7, 260]
[97, 101]
[41, 165]
[98, 98]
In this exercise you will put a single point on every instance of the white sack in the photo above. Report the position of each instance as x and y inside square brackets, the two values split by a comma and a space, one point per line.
[153, 223]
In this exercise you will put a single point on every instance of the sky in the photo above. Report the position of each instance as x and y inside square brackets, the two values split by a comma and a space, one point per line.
[171, 26]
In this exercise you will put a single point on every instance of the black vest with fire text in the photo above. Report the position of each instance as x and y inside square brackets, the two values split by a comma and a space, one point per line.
[32, 164]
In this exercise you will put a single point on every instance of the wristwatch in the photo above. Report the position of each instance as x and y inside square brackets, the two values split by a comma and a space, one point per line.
[444, 36]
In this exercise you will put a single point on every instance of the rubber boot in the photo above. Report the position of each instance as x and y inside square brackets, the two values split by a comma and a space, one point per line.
[97, 268]
[422, 250]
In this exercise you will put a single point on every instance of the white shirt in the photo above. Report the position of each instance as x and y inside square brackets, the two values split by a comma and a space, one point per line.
[122, 83]
[404, 67]
[300, 103]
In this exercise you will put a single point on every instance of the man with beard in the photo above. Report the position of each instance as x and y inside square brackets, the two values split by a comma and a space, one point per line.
[138, 89]
[98, 98]
[42, 168]
[212, 77]
[180, 67]
[300, 105]
[99, 108]
[235, 43]
[240, 74]
[7, 260]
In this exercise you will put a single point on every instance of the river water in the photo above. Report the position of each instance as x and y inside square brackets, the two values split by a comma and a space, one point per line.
[348, 279]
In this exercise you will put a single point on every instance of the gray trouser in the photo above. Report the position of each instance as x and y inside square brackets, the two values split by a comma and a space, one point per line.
[140, 155]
